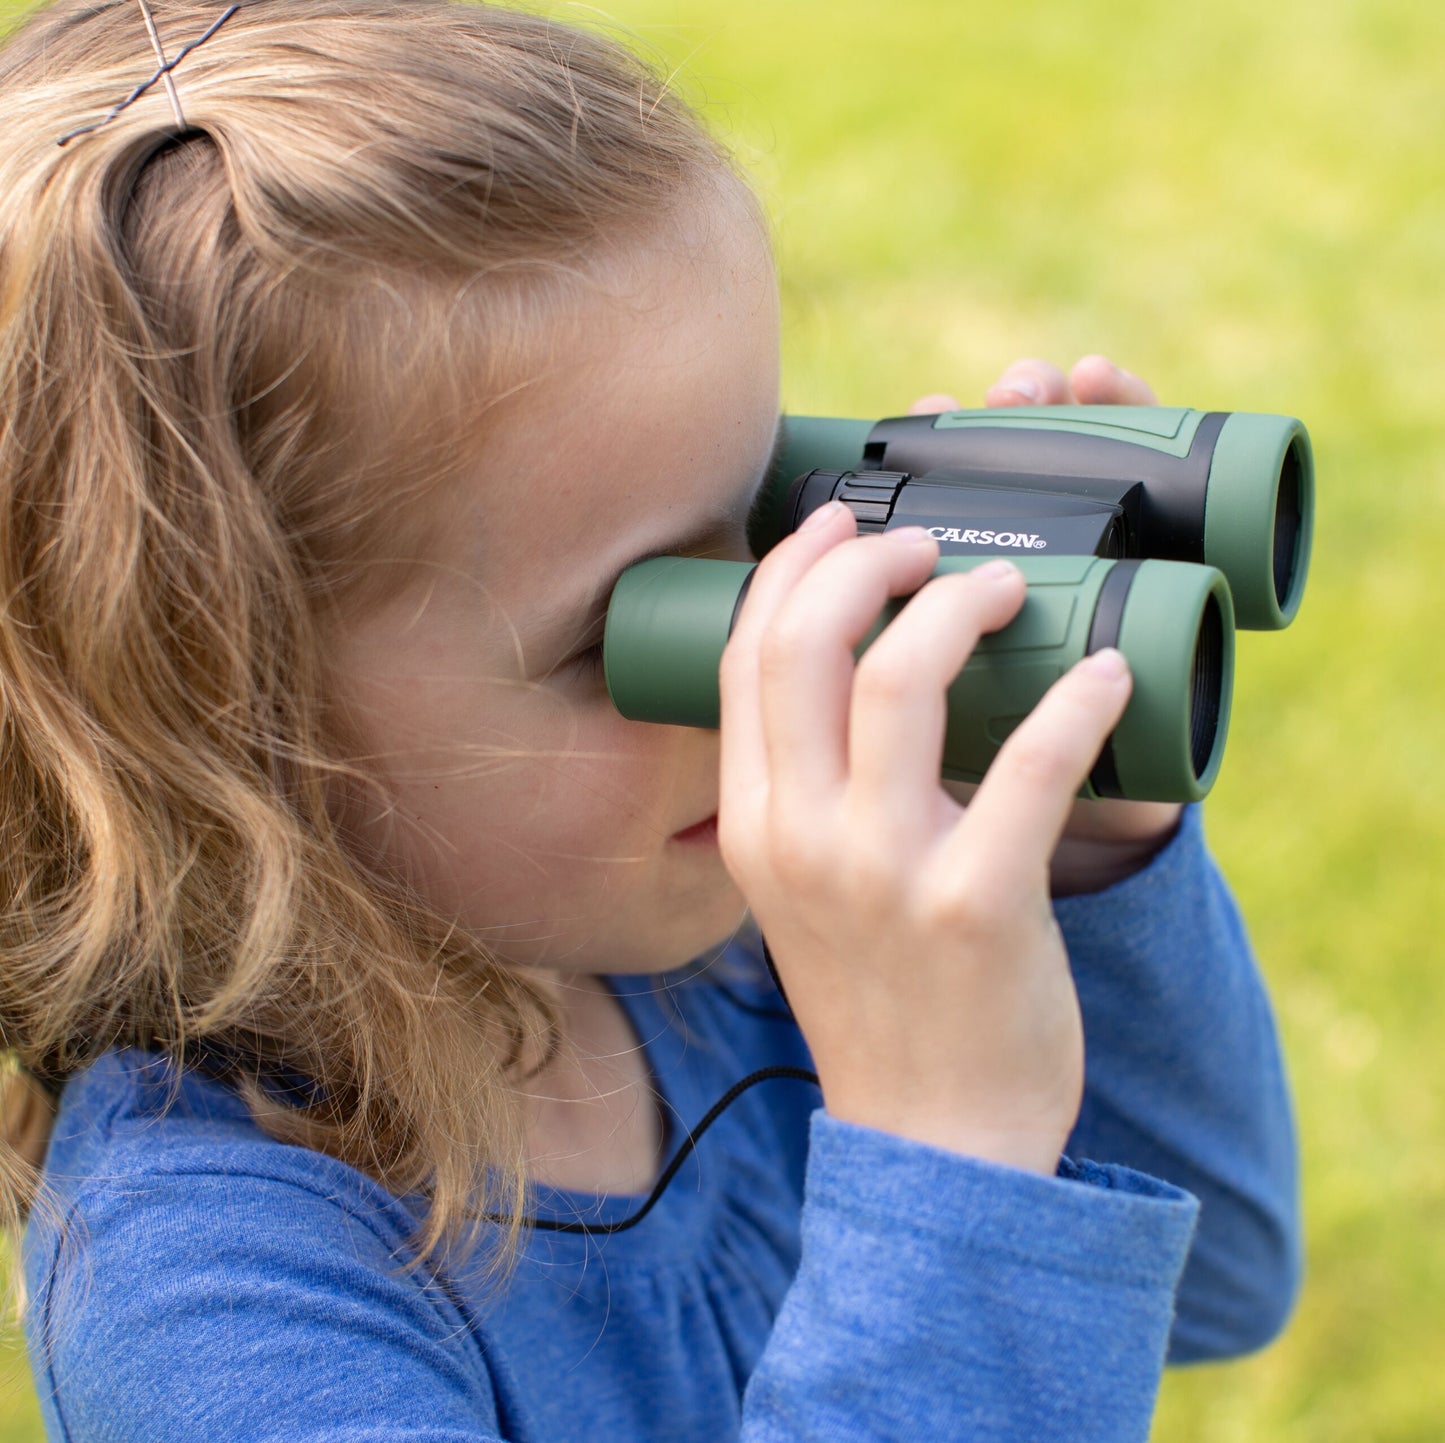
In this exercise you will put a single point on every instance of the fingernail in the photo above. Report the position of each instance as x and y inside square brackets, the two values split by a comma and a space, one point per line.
[1021, 386]
[821, 517]
[909, 535]
[1108, 664]
[995, 570]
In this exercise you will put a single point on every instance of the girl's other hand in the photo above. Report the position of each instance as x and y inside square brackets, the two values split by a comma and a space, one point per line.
[1093, 381]
[914, 938]
[1104, 842]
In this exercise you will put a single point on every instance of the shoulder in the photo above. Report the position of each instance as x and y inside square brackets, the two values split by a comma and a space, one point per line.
[135, 1126]
[188, 1267]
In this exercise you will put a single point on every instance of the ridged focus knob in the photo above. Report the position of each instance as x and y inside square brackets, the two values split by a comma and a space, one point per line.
[869, 495]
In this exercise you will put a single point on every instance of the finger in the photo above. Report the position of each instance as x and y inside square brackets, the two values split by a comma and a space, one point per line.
[743, 760]
[1030, 382]
[1008, 835]
[900, 703]
[1097, 381]
[806, 657]
[933, 403]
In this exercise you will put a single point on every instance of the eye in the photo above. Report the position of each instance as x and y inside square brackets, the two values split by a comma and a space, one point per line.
[588, 663]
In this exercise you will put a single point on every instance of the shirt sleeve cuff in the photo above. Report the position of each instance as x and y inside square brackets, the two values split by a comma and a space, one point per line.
[1103, 1223]
[940, 1296]
[1135, 903]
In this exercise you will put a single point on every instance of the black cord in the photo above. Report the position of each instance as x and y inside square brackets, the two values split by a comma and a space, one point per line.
[764, 1074]
[773, 973]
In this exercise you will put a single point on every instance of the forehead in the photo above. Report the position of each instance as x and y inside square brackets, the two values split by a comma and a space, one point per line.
[652, 421]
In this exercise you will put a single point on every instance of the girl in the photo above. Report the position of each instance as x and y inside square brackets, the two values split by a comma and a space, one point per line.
[378, 966]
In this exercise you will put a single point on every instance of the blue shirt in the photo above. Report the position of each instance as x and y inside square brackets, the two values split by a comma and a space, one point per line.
[801, 1279]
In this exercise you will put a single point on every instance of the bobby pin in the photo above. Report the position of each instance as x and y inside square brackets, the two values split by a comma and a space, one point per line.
[163, 74]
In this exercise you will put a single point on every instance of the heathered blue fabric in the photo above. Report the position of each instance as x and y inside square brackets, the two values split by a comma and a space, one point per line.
[802, 1279]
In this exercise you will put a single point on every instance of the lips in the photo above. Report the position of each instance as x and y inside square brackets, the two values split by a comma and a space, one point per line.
[703, 831]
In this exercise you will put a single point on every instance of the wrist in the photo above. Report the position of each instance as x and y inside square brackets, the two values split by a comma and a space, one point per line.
[1093, 858]
[1036, 1147]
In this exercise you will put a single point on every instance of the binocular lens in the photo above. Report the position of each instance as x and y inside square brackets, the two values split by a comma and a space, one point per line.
[1258, 515]
[1206, 688]
[1288, 523]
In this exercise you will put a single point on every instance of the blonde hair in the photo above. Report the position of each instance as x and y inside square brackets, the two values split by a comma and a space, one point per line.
[220, 362]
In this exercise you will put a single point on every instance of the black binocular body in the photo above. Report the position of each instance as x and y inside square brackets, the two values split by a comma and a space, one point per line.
[1153, 529]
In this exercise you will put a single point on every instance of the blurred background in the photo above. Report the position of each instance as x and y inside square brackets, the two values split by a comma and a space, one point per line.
[1244, 204]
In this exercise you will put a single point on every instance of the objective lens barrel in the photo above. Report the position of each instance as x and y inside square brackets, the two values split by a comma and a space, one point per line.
[670, 618]
[1233, 490]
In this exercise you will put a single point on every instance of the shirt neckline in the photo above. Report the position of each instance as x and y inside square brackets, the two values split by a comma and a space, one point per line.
[660, 1030]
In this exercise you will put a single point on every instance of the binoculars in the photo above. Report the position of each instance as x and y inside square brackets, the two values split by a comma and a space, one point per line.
[1152, 529]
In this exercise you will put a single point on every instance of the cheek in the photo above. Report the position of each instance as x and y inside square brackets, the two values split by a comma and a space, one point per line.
[583, 778]
[519, 775]
[564, 836]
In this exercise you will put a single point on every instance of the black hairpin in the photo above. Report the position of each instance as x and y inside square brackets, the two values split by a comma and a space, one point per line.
[163, 74]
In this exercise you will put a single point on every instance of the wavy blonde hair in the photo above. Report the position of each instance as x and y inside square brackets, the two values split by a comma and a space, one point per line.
[231, 366]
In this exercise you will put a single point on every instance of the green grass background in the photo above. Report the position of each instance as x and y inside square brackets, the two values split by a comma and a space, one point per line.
[1244, 203]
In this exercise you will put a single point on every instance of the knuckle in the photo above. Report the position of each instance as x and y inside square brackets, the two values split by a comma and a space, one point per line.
[1036, 763]
[971, 916]
[864, 560]
[885, 675]
[789, 632]
[782, 644]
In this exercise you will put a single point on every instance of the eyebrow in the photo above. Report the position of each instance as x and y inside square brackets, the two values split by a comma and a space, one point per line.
[585, 611]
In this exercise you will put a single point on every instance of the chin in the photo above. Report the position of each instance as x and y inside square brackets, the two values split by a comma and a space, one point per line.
[707, 931]
[701, 934]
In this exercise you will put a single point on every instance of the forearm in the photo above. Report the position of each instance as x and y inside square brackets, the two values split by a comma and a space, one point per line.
[1184, 1080]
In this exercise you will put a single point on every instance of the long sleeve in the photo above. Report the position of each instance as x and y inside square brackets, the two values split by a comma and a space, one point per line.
[800, 1280]
[1184, 1081]
[943, 1297]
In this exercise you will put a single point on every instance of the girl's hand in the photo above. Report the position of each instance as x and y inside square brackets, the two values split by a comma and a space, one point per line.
[1104, 842]
[915, 939]
[1094, 381]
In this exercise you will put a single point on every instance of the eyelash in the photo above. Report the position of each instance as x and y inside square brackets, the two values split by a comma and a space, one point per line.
[589, 662]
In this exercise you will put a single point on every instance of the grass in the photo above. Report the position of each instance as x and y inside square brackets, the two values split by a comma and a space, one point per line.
[1246, 204]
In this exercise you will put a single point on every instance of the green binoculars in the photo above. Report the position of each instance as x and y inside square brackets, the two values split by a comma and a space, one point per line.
[1152, 529]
